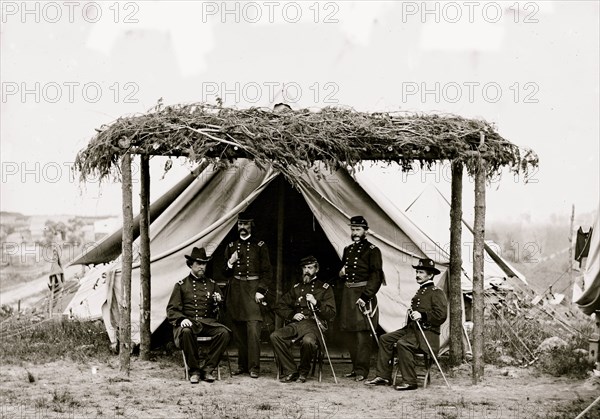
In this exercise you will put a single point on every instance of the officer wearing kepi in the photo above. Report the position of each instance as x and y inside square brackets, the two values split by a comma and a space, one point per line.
[250, 272]
[363, 276]
[192, 311]
[294, 307]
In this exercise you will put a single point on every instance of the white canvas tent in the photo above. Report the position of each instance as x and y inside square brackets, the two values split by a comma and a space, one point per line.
[315, 221]
[431, 211]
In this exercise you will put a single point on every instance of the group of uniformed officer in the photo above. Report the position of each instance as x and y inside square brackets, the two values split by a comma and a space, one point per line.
[307, 306]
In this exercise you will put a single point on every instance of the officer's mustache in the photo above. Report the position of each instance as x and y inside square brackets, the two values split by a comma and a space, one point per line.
[243, 230]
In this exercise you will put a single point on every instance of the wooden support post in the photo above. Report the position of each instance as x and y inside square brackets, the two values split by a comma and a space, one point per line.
[478, 247]
[280, 224]
[571, 251]
[126, 262]
[455, 271]
[51, 298]
[145, 286]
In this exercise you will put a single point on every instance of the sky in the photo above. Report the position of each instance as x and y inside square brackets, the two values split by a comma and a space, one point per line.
[530, 68]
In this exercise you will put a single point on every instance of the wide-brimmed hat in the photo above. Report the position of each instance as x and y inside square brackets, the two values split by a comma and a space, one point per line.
[427, 265]
[358, 221]
[198, 255]
[308, 260]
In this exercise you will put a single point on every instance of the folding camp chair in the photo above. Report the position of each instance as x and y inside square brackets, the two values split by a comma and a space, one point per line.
[426, 363]
[317, 361]
[202, 343]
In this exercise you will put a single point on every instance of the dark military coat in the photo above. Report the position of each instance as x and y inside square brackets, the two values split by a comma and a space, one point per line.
[192, 298]
[431, 302]
[364, 276]
[294, 301]
[252, 273]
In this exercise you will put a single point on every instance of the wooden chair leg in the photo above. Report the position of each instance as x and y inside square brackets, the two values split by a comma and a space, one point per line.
[320, 356]
[185, 365]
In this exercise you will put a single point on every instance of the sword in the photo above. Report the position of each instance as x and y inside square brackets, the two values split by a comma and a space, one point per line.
[431, 352]
[322, 339]
[366, 312]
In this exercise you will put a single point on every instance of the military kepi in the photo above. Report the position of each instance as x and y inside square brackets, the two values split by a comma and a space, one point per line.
[198, 255]
[427, 265]
[308, 260]
[245, 216]
[358, 221]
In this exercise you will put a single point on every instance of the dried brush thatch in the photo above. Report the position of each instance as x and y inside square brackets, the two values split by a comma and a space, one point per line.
[292, 140]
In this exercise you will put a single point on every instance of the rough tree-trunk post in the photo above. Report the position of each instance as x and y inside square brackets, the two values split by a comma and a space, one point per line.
[127, 259]
[454, 283]
[478, 304]
[145, 257]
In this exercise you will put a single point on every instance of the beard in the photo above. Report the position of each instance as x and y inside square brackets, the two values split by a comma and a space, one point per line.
[356, 237]
[307, 278]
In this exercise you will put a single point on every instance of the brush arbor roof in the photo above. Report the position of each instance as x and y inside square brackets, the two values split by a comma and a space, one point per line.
[291, 141]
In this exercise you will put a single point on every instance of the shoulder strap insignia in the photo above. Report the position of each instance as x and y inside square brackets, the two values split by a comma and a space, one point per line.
[260, 243]
[372, 246]
[180, 282]
[325, 285]
[212, 280]
[296, 285]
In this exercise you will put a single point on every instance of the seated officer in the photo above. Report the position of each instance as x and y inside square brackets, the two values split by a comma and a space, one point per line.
[294, 306]
[429, 307]
[192, 310]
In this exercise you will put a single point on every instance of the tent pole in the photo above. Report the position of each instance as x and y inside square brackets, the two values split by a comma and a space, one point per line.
[571, 282]
[478, 245]
[454, 285]
[279, 269]
[145, 257]
[126, 262]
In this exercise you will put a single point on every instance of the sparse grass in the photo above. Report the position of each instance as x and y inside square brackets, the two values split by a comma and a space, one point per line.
[501, 341]
[30, 340]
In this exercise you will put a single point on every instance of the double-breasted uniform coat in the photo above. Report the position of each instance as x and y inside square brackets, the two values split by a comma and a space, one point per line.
[291, 303]
[193, 299]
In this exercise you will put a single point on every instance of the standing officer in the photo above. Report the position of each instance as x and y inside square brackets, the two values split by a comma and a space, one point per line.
[363, 276]
[293, 306]
[428, 306]
[192, 310]
[250, 270]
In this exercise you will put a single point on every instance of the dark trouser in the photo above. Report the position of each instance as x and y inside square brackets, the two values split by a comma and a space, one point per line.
[282, 340]
[359, 345]
[218, 344]
[407, 344]
[247, 337]
[386, 353]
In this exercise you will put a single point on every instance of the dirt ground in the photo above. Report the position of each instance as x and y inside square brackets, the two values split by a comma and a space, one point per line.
[158, 390]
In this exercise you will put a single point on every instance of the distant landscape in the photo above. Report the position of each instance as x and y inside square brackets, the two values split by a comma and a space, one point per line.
[538, 250]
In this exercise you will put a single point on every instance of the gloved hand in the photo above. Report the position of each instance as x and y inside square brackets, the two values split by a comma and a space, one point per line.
[415, 315]
[234, 258]
[311, 299]
[298, 317]
[258, 297]
[361, 303]
[186, 323]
